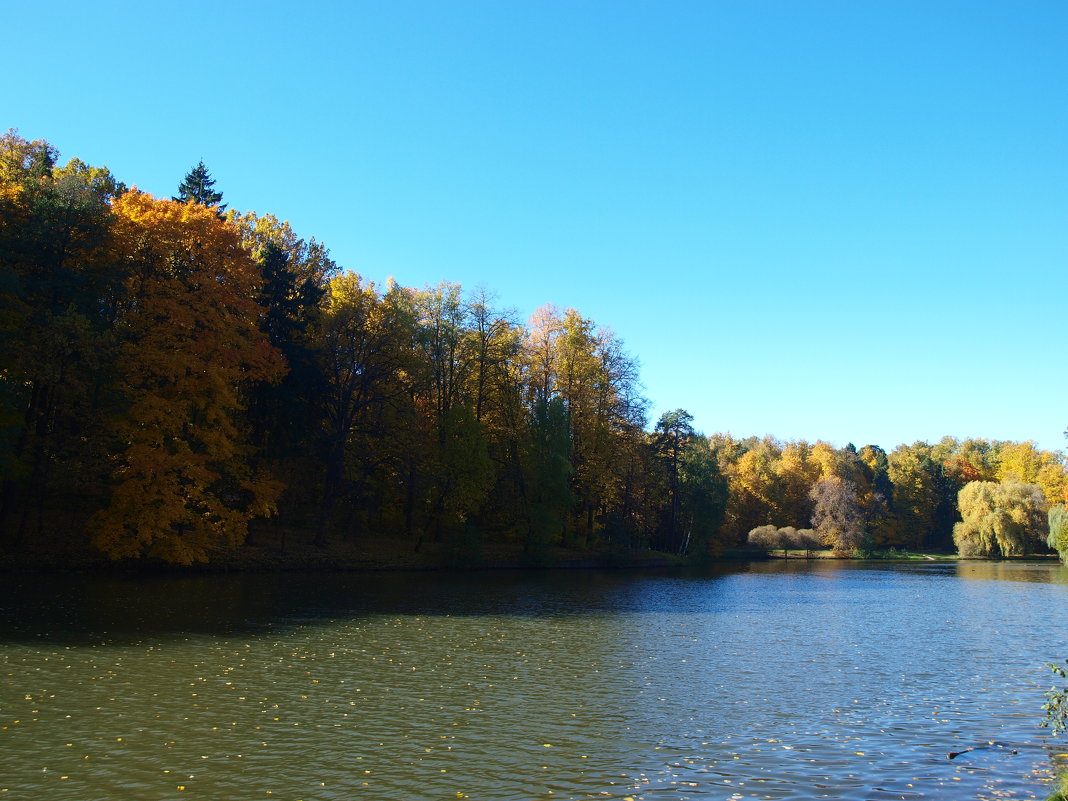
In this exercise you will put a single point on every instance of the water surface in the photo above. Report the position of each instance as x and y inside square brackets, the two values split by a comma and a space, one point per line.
[771, 680]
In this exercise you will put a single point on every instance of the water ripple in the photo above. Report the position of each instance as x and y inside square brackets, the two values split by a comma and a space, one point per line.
[772, 682]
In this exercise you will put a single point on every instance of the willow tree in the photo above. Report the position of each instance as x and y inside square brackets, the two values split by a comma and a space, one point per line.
[999, 519]
[1058, 530]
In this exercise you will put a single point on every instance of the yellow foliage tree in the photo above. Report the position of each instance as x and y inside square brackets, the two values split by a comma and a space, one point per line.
[797, 473]
[1000, 518]
[189, 340]
[1024, 461]
[755, 488]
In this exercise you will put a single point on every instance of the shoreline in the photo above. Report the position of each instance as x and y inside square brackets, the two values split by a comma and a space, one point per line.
[371, 556]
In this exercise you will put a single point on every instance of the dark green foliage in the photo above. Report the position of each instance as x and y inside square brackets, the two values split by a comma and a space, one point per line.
[283, 415]
[463, 546]
[57, 305]
[1056, 706]
[547, 471]
[674, 430]
[198, 187]
[702, 500]
[946, 514]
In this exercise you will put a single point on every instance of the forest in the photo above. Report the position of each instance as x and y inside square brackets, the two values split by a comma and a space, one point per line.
[175, 374]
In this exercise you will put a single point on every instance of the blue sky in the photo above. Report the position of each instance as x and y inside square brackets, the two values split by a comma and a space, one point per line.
[839, 220]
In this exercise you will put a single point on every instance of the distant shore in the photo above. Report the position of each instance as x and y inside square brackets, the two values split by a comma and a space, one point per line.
[285, 551]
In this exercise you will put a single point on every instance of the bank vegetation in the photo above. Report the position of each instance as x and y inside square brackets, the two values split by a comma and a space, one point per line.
[178, 379]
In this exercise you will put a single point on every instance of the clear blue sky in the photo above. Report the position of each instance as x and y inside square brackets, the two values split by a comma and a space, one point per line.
[839, 220]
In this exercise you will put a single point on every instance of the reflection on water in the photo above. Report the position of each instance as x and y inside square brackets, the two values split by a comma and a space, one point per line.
[773, 680]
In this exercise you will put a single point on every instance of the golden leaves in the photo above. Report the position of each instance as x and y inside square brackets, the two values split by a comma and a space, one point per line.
[189, 341]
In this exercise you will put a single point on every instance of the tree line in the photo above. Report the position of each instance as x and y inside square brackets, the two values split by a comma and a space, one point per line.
[976, 496]
[173, 371]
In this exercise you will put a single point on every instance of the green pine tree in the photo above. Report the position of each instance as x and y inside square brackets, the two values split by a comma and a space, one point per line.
[197, 187]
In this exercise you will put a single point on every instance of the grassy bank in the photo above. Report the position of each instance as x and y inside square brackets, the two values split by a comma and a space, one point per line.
[894, 555]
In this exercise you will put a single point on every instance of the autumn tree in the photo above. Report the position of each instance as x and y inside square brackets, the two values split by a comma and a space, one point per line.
[21, 159]
[843, 463]
[363, 347]
[56, 308]
[1000, 518]
[579, 382]
[797, 473]
[494, 378]
[306, 258]
[916, 494]
[491, 346]
[568, 357]
[623, 412]
[836, 515]
[440, 319]
[541, 352]
[755, 486]
[635, 518]
[449, 490]
[771, 538]
[967, 460]
[1026, 462]
[877, 498]
[189, 338]
[808, 540]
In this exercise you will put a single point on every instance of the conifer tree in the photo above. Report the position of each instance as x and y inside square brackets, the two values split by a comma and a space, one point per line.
[198, 187]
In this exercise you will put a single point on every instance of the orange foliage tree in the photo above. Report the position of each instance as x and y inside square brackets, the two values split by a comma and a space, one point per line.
[190, 340]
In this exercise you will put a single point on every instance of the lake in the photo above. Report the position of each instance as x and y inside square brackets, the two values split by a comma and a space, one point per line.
[769, 680]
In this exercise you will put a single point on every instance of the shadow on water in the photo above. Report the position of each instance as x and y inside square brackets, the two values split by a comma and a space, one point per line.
[86, 608]
[778, 680]
[94, 608]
